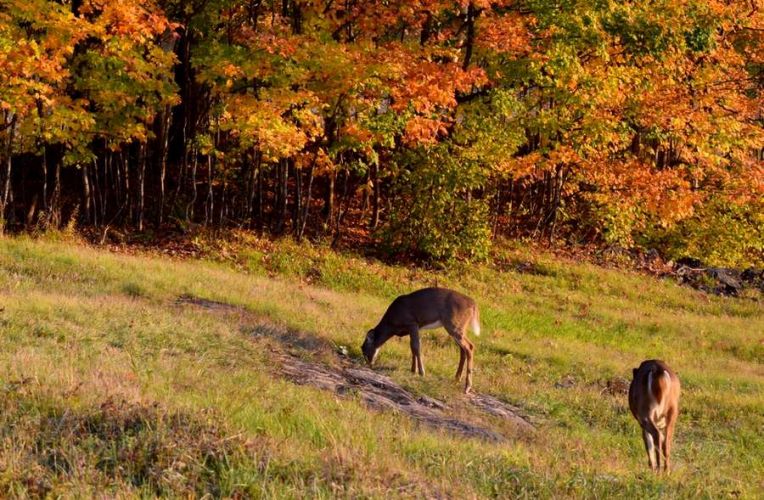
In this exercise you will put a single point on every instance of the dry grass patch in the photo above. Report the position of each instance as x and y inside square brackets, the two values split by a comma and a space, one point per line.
[50, 444]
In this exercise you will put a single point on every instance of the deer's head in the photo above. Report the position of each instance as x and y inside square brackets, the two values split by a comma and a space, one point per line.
[370, 347]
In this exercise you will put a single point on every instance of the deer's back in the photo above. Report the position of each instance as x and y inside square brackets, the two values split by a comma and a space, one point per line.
[429, 305]
[649, 390]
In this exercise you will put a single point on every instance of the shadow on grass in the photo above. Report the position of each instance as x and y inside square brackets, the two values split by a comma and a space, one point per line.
[256, 326]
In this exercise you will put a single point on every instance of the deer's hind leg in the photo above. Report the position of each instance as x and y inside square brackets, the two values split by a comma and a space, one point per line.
[467, 348]
[647, 437]
[470, 356]
[462, 359]
[653, 443]
[671, 420]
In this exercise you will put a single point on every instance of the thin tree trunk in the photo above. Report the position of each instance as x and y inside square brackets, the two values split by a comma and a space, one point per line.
[181, 173]
[249, 200]
[190, 206]
[209, 203]
[260, 220]
[141, 185]
[164, 138]
[86, 188]
[8, 171]
[55, 204]
[497, 210]
[101, 190]
[253, 212]
[470, 41]
[297, 209]
[223, 207]
[375, 198]
[306, 204]
[329, 198]
[128, 199]
[282, 196]
[31, 211]
[45, 177]
[341, 212]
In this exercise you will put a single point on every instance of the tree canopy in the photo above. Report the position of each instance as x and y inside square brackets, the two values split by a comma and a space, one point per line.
[428, 127]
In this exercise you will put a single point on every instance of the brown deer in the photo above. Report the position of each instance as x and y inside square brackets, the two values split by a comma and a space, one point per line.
[654, 402]
[425, 309]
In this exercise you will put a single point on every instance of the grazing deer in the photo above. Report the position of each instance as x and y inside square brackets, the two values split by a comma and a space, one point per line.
[654, 402]
[425, 309]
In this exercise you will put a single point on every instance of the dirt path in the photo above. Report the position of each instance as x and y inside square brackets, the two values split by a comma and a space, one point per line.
[376, 390]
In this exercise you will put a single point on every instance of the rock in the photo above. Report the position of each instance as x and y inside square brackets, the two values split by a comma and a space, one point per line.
[380, 392]
[752, 275]
[616, 386]
[652, 255]
[496, 407]
[566, 382]
[689, 262]
[728, 280]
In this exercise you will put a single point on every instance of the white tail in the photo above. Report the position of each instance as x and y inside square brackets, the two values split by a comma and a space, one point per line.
[475, 324]
[658, 403]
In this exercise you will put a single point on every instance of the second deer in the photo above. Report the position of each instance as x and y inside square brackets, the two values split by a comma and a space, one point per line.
[654, 402]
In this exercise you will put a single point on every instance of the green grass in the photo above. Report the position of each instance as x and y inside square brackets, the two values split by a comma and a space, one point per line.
[191, 403]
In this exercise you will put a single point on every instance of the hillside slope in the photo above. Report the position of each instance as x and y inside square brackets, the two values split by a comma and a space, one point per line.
[112, 381]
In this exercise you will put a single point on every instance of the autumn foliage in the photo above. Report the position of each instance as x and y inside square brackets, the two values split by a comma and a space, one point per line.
[427, 127]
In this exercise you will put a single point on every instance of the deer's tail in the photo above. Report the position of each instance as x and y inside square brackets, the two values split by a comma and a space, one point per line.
[658, 384]
[475, 323]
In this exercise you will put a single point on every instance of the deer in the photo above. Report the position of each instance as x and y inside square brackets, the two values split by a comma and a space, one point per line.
[426, 309]
[654, 402]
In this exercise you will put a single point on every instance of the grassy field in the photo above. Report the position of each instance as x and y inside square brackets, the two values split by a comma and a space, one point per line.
[110, 385]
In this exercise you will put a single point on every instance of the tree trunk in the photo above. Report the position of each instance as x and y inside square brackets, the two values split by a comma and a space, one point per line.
[282, 196]
[376, 191]
[86, 193]
[190, 206]
[163, 144]
[470, 41]
[328, 209]
[209, 203]
[306, 204]
[55, 203]
[8, 171]
[45, 177]
[341, 212]
[128, 203]
[141, 185]
[100, 190]
[296, 208]
[259, 206]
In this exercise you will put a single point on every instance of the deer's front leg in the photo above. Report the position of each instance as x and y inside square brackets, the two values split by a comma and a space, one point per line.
[416, 352]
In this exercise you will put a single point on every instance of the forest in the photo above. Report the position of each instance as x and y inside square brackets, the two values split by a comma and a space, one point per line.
[426, 128]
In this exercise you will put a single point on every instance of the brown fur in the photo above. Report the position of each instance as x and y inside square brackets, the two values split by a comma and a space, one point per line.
[409, 313]
[654, 402]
